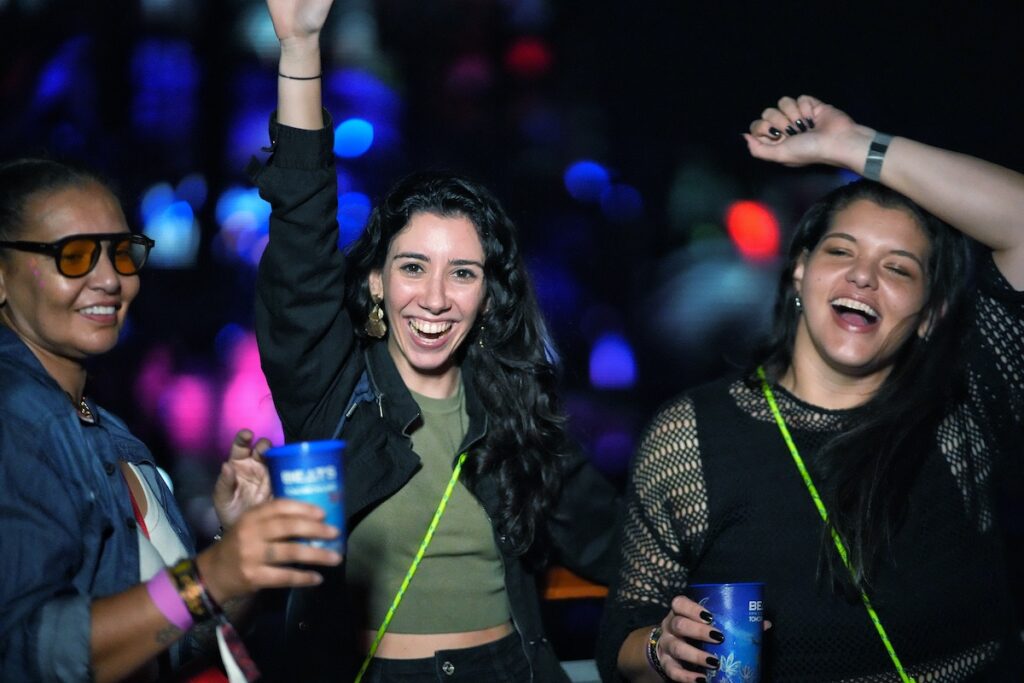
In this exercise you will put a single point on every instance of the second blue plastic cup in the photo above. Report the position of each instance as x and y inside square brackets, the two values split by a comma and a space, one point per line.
[738, 609]
[311, 471]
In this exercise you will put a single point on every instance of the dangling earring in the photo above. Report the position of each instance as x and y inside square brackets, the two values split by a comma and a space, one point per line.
[799, 304]
[480, 336]
[375, 326]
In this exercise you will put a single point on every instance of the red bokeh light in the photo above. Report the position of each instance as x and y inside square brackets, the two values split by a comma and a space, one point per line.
[528, 58]
[754, 230]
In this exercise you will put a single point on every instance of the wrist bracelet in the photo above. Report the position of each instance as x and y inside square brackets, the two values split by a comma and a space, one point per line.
[876, 155]
[652, 652]
[301, 78]
[166, 598]
[191, 589]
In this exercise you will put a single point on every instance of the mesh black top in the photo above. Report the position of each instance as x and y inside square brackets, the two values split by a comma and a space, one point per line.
[714, 496]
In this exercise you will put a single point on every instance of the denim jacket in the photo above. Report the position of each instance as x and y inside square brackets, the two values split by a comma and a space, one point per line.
[67, 530]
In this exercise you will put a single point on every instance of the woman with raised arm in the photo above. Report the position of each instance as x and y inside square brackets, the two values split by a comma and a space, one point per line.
[423, 347]
[899, 380]
[99, 573]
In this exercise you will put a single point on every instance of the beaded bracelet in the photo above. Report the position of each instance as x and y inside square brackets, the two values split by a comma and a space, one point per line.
[192, 591]
[652, 653]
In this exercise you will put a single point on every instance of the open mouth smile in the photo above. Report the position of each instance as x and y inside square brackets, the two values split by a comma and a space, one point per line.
[430, 331]
[855, 313]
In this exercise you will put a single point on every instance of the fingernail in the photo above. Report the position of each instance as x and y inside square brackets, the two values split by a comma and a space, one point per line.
[716, 636]
[774, 132]
[712, 662]
[701, 679]
[707, 617]
[791, 130]
[810, 122]
[801, 125]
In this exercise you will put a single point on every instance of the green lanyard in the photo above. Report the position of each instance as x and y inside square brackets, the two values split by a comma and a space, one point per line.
[770, 397]
[412, 567]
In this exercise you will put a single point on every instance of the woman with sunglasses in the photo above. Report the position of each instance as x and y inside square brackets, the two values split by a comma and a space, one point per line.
[99, 573]
[889, 401]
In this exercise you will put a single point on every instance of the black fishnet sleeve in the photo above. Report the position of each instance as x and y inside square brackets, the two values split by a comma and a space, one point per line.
[997, 362]
[666, 519]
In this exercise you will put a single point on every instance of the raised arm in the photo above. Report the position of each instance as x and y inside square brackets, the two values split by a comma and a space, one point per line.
[297, 24]
[305, 336]
[983, 200]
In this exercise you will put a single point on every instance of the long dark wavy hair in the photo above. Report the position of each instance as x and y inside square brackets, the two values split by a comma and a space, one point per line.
[22, 179]
[870, 466]
[514, 371]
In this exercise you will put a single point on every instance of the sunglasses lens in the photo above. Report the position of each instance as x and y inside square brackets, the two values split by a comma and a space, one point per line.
[129, 256]
[77, 257]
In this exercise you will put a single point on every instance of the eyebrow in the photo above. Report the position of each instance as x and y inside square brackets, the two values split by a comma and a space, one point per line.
[897, 252]
[424, 257]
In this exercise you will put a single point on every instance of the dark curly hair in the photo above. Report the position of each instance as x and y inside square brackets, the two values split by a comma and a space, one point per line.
[871, 465]
[514, 371]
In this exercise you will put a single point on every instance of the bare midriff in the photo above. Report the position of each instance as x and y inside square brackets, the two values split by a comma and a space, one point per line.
[421, 645]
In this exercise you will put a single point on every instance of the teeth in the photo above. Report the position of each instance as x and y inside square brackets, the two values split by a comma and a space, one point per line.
[856, 306]
[99, 310]
[430, 328]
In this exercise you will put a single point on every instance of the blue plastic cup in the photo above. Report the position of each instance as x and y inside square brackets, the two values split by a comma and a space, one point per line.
[738, 609]
[311, 471]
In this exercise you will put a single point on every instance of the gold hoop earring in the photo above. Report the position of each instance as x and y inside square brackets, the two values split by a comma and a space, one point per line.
[375, 326]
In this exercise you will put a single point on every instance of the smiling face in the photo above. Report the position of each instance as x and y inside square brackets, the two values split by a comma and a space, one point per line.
[863, 288]
[65, 320]
[432, 289]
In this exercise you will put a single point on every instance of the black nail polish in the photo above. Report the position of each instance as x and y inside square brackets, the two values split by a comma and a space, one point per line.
[701, 679]
[713, 662]
[774, 132]
[706, 617]
[810, 122]
[791, 130]
[716, 636]
[801, 125]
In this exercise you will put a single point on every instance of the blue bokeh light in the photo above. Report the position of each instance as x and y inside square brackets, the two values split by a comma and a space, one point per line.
[353, 210]
[192, 188]
[586, 180]
[353, 138]
[244, 220]
[61, 72]
[622, 203]
[165, 81]
[612, 364]
[176, 233]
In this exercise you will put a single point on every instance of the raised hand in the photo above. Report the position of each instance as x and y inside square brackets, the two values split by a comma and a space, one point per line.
[260, 551]
[244, 481]
[805, 131]
[298, 19]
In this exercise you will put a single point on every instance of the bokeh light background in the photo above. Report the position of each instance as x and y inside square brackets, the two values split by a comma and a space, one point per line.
[611, 131]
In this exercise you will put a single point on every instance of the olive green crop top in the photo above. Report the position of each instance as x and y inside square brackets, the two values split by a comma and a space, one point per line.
[460, 584]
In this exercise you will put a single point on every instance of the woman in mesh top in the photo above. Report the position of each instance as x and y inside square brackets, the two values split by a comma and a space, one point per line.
[902, 389]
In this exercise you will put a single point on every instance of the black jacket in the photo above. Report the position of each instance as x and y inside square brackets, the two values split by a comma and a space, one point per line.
[313, 363]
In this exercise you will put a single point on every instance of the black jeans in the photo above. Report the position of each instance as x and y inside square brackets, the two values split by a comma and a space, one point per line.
[502, 661]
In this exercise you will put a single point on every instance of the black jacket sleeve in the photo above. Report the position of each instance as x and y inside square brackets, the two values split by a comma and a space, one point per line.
[305, 336]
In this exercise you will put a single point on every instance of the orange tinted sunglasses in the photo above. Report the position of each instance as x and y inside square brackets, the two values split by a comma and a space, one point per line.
[77, 255]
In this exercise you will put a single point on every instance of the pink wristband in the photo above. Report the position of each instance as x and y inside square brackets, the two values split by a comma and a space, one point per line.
[166, 598]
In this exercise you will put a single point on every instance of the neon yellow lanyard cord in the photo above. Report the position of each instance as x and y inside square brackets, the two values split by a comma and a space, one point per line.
[840, 547]
[412, 567]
